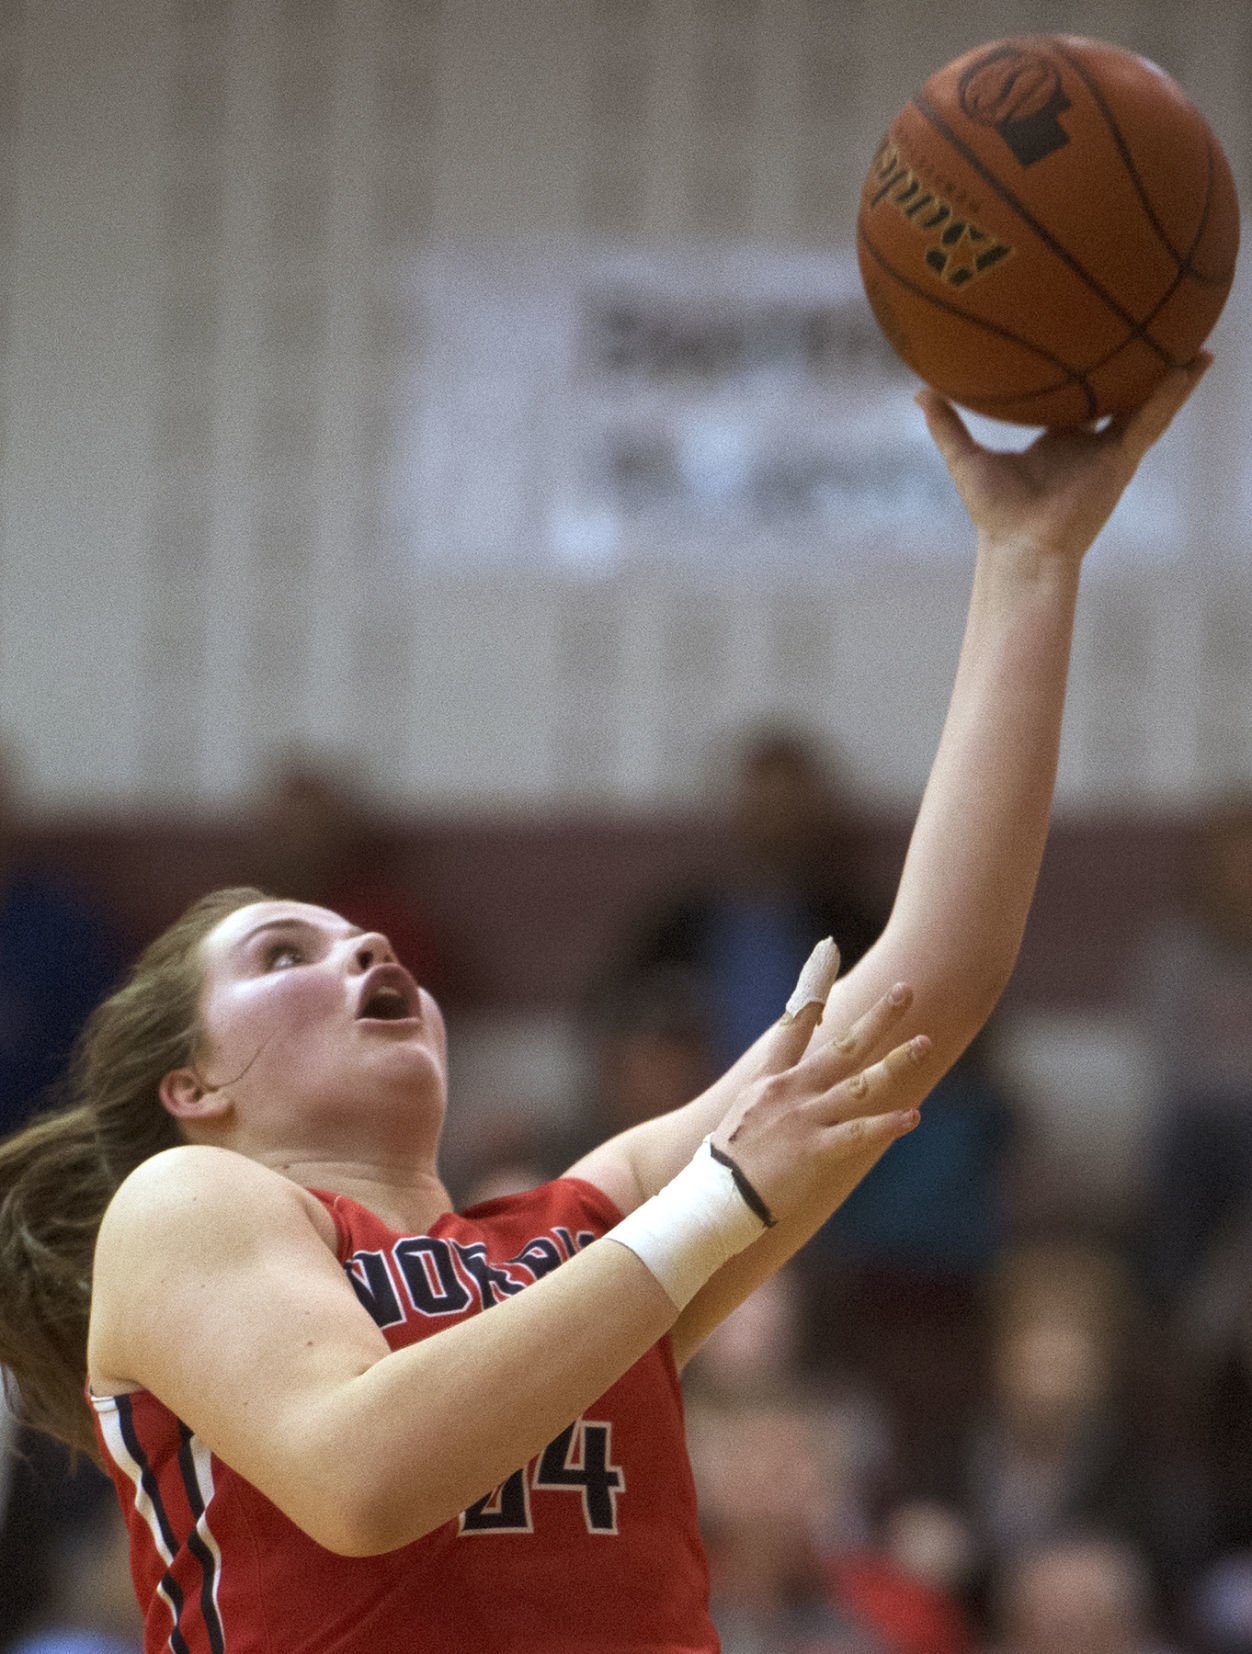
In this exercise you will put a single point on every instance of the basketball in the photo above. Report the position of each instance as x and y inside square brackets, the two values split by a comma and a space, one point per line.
[1046, 229]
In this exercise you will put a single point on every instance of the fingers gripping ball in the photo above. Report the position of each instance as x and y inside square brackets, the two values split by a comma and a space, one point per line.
[1047, 228]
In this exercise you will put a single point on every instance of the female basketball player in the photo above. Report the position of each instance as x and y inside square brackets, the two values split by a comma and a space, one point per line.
[319, 1440]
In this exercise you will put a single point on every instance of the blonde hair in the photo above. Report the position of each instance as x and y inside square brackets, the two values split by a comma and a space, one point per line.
[58, 1174]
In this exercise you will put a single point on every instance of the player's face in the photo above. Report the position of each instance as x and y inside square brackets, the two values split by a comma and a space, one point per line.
[307, 1018]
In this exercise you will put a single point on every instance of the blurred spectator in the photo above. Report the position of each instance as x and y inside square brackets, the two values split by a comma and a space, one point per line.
[792, 1564]
[58, 956]
[1206, 1348]
[502, 1147]
[757, 1350]
[782, 882]
[931, 1542]
[316, 840]
[653, 1050]
[1055, 1445]
[1077, 1596]
[649, 1051]
[788, 1480]
[74, 1640]
[935, 1206]
[1193, 996]
[646, 1052]
[1221, 1606]
[24, 1534]
[50, 1516]
[899, 1271]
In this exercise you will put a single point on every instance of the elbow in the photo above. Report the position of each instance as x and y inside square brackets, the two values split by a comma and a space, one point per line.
[360, 1520]
[974, 982]
[360, 1530]
[359, 1534]
[345, 1537]
[985, 990]
[357, 1543]
[969, 1012]
[953, 1016]
[384, 1531]
[958, 980]
[357, 1500]
[340, 1527]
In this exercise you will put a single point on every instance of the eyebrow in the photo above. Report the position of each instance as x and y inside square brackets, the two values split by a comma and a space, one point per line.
[293, 923]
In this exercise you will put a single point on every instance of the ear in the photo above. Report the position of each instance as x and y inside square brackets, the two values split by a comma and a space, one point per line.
[184, 1095]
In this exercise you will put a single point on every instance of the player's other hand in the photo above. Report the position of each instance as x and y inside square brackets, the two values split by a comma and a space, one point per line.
[806, 1108]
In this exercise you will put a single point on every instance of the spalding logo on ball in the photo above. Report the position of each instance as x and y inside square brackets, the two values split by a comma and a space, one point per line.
[1047, 228]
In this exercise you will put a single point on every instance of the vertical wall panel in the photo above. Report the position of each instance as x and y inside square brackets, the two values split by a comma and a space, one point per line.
[300, 427]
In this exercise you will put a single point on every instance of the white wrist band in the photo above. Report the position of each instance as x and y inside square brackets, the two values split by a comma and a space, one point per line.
[691, 1227]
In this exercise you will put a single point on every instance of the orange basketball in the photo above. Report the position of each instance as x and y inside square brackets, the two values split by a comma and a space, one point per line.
[1046, 228]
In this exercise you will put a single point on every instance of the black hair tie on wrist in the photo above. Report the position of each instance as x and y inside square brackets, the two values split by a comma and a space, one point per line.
[751, 1199]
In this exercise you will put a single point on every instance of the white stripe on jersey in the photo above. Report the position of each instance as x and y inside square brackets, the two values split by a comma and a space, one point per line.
[111, 1429]
[202, 1460]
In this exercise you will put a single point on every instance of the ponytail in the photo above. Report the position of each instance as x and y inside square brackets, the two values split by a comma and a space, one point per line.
[59, 1173]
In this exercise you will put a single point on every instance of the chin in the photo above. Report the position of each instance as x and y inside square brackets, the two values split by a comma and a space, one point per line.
[407, 1103]
[421, 1071]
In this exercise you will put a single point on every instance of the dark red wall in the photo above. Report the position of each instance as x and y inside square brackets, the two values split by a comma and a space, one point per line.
[526, 909]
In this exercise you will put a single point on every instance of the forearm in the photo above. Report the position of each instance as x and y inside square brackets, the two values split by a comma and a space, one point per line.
[973, 860]
[975, 852]
[969, 875]
[410, 1451]
[974, 855]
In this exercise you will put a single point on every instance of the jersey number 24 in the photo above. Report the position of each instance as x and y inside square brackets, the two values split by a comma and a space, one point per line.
[580, 1460]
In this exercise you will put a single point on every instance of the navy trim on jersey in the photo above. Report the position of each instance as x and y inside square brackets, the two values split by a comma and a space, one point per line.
[198, 1548]
[147, 1480]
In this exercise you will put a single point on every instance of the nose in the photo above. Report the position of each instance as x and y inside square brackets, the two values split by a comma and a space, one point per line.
[372, 949]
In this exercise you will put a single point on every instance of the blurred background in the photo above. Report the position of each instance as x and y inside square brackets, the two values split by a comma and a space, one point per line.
[448, 469]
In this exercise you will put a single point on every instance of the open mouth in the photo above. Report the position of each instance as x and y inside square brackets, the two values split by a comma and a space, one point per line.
[384, 1005]
[387, 995]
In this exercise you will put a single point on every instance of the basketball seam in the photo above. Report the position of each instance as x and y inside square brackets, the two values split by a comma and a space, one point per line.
[1184, 270]
[1189, 269]
[1122, 149]
[1073, 376]
[1007, 196]
[1183, 260]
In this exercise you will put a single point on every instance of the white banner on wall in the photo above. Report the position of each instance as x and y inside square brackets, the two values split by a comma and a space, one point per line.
[712, 412]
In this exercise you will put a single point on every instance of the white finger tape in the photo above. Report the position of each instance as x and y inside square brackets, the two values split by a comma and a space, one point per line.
[817, 977]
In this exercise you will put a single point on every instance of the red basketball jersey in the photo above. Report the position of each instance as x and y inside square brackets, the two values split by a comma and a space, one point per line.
[593, 1548]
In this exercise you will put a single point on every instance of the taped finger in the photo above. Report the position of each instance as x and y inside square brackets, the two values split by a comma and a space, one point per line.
[817, 978]
[785, 1043]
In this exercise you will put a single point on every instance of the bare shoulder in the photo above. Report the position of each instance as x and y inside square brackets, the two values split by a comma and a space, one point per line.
[188, 1195]
[183, 1218]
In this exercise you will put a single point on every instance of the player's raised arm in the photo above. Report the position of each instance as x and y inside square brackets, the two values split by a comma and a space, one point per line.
[974, 855]
[973, 859]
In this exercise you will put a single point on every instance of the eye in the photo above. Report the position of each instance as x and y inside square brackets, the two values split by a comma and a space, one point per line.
[281, 955]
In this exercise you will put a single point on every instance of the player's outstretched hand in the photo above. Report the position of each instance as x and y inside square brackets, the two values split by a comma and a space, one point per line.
[1055, 496]
[808, 1107]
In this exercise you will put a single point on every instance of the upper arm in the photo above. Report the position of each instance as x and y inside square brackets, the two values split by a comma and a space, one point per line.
[216, 1289]
[611, 1169]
